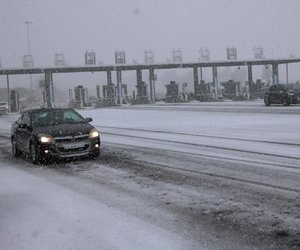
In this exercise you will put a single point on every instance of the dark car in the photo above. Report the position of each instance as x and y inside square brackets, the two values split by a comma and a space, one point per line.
[282, 94]
[54, 133]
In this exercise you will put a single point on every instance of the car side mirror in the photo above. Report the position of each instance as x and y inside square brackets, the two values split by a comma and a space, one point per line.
[22, 125]
[88, 119]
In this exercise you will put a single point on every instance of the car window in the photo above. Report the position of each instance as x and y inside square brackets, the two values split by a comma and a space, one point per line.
[53, 117]
[280, 88]
[71, 116]
[40, 118]
[25, 119]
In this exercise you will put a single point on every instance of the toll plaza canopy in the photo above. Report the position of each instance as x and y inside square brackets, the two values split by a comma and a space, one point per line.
[124, 67]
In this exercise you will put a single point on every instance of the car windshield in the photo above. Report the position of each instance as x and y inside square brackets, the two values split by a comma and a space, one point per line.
[294, 87]
[54, 117]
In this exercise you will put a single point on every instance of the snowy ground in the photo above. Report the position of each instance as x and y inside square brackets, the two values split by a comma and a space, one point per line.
[189, 176]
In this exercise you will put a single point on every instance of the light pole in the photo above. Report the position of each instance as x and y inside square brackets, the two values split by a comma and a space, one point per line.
[28, 37]
[28, 49]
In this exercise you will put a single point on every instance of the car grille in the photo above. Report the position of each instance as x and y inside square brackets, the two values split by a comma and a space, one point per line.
[67, 139]
[72, 144]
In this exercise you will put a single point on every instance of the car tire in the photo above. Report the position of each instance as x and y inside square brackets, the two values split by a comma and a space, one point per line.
[95, 154]
[15, 151]
[33, 154]
[285, 101]
[267, 101]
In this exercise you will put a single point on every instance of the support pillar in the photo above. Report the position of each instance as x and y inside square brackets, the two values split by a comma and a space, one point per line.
[49, 95]
[215, 80]
[8, 93]
[142, 95]
[119, 87]
[108, 77]
[139, 81]
[287, 73]
[196, 79]
[275, 73]
[250, 80]
[109, 90]
[152, 85]
[201, 75]
[139, 76]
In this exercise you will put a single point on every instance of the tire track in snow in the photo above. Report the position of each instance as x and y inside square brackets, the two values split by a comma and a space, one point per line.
[206, 145]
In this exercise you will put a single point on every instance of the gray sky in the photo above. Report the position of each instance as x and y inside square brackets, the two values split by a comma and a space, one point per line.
[74, 26]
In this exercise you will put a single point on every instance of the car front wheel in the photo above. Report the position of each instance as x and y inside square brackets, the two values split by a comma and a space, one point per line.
[267, 101]
[95, 154]
[33, 154]
[285, 101]
[15, 151]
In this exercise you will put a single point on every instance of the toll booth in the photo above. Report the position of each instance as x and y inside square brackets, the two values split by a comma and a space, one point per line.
[258, 89]
[142, 94]
[231, 89]
[202, 91]
[173, 92]
[109, 94]
[124, 90]
[80, 96]
[14, 101]
[98, 92]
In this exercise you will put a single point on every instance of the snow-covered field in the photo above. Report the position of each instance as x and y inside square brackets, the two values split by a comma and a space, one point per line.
[219, 157]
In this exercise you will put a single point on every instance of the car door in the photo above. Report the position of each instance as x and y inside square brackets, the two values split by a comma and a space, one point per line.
[273, 94]
[282, 93]
[23, 132]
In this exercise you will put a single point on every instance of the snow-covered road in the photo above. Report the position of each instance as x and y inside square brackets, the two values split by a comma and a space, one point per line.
[190, 176]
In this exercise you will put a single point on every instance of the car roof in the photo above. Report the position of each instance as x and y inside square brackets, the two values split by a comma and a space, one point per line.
[44, 109]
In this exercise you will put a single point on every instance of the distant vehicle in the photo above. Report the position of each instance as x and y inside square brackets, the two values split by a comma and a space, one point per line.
[54, 133]
[3, 108]
[282, 94]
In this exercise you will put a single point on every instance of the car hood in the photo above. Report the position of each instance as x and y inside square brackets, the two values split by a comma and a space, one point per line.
[295, 91]
[61, 130]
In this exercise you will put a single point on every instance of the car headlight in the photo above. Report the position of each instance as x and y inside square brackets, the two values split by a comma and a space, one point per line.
[45, 138]
[93, 133]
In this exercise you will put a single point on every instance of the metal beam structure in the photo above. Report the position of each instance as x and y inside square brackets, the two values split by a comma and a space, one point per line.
[125, 67]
